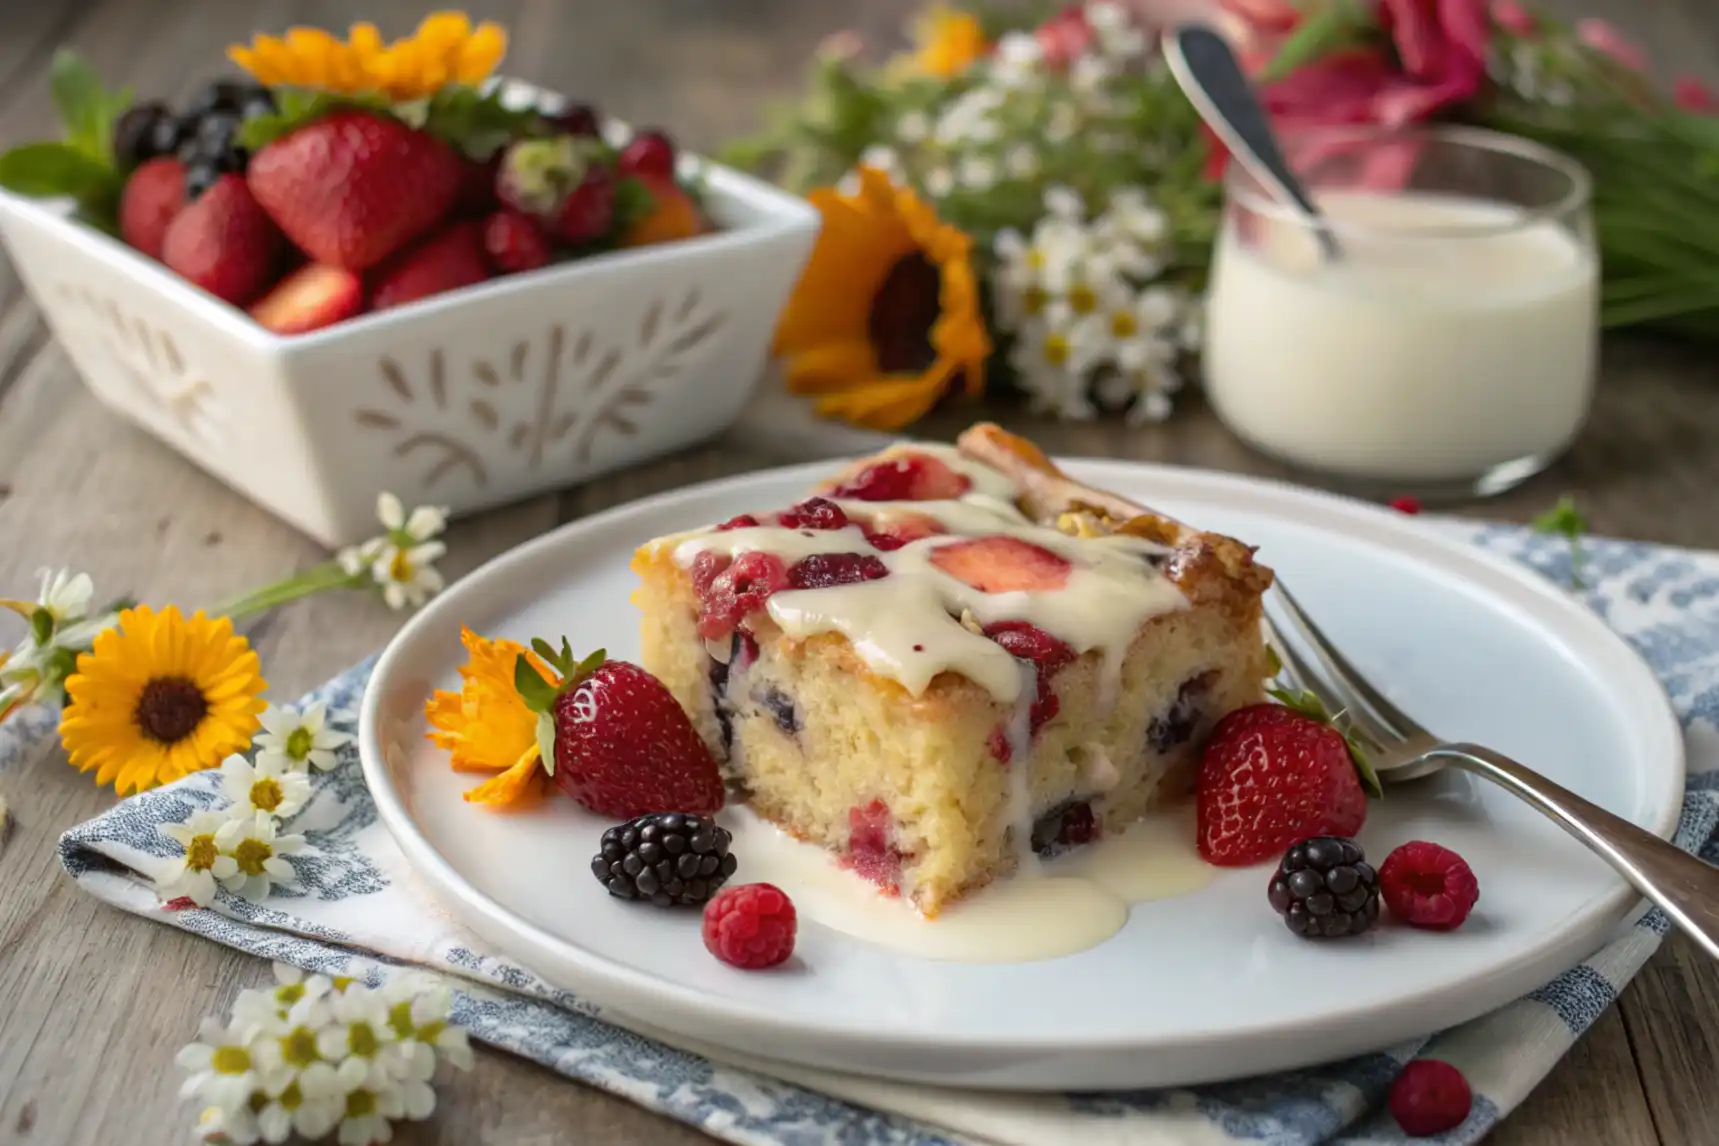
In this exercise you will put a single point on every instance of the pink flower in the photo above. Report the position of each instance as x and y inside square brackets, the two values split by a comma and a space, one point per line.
[1692, 95]
[1514, 18]
[1607, 40]
[1064, 36]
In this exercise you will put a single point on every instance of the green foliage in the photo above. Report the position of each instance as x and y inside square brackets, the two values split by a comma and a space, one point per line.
[81, 165]
[476, 123]
[1566, 521]
[1309, 705]
[539, 695]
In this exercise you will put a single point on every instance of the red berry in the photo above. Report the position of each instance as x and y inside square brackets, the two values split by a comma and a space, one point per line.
[1430, 1097]
[1406, 504]
[152, 197]
[871, 853]
[998, 563]
[310, 298]
[1046, 654]
[651, 154]
[1270, 776]
[815, 513]
[476, 196]
[578, 119]
[1427, 885]
[625, 747]
[910, 477]
[514, 243]
[225, 243]
[743, 521]
[751, 926]
[588, 211]
[900, 529]
[728, 591]
[827, 570]
[442, 261]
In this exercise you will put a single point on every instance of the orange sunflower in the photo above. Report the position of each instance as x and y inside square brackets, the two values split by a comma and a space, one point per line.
[885, 320]
[947, 41]
[486, 727]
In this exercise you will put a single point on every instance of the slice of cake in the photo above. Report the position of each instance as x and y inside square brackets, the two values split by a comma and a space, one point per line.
[952, 660]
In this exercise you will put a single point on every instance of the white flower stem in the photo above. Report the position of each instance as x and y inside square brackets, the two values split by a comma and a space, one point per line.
[328, 575]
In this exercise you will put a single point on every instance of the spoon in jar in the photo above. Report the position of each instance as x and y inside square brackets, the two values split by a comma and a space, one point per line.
[1212, 78]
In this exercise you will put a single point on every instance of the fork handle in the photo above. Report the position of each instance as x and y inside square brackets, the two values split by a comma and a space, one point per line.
[1683, 886]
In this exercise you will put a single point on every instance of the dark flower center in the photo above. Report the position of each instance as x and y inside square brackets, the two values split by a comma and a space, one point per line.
[902, 313]
[170, 709]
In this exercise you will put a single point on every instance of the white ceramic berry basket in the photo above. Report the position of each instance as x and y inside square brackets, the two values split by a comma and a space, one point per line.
[472, 399]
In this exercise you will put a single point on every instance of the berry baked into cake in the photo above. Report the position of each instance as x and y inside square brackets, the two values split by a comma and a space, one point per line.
[950, 661]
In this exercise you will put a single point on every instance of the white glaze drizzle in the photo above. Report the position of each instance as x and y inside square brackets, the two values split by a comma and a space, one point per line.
[906, 625]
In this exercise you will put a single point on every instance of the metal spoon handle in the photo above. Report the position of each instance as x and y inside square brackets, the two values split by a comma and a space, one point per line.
[1683, 886]
[1210, 74]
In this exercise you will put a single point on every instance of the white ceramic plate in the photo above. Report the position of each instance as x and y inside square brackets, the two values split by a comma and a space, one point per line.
[1202, 987]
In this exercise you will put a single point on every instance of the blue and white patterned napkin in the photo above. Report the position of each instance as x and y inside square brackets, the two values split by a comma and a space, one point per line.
[360, 913]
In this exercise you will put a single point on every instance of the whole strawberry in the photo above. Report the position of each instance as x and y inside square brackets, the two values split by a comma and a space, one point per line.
[225, 243]
[566, 183]
[445, 260]
[615, 739]
[153, 195]
[355, 186]
[1274, 774]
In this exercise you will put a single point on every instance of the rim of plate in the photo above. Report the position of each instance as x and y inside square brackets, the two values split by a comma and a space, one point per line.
[1315, 508]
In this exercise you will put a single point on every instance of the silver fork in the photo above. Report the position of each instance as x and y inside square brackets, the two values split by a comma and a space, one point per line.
[1683, 886]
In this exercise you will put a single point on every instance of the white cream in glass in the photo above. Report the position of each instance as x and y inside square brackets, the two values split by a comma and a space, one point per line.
[1450, 346]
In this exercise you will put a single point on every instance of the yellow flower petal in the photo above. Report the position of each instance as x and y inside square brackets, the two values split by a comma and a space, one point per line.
[522, 785]
[885, 403]
[486, 726]
[481, 54]
[831, 366]
[445, 48]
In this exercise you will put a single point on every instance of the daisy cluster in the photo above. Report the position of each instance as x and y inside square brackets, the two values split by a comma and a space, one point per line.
[240, 847]
[60, 627]
[1096, 324]
[401, 562]
[314, 1056]
[1045, 150]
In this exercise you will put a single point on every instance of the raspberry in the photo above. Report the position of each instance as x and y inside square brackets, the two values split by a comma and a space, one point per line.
[727, 592]
[514, 243]
[1406, 504]
[914, 477]
[743, 521]
[650, 153]
[1430, 1097]
[816, 513]
[827, 570]
[1426, 885]
[580, 119]
[899, 530]
[750, 926]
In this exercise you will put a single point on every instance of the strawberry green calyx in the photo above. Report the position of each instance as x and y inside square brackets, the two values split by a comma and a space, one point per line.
[475, 123]
[1309, 705]
[540, 696]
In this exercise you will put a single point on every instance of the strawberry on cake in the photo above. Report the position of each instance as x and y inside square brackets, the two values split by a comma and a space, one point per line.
[950, 661]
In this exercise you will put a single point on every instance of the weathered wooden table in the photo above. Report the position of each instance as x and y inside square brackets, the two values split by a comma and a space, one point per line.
[93, 1002]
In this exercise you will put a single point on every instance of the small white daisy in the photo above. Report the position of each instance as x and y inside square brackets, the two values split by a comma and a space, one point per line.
[303, 739]
[296, 999]
[883, 157]
[219, 1066]
[358, 1030]
[913, 127]
[258, 852]
[193, 875]
[939, 181]
[307, 1101]
[366, 1105]
[221, 1126]
[270, 785]
[1021, 161]
[425, 522]
[977, 173]
[1018, 61]
[408, 576]
[419, 1013]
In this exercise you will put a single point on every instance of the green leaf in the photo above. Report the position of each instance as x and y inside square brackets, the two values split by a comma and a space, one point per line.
[477, 123]
[633, 201]
[46, 170]
[539, 695]
[87, 110]
[546, 741]
[296, 107]
[1566, 521]
[1329, 27]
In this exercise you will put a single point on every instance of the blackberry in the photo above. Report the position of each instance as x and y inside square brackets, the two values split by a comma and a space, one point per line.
[1325, 889]
[199, 177]
[134, 133]
[167, 133]
[220, 95]
[669, 858]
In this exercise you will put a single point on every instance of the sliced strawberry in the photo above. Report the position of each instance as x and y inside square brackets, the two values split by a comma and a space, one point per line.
[1272, 775]
[1002, 564]
[622, 746]
[310, 298]
[447, 260]
[225, 243]
[153, 195]
[673, 215]
[906, 477]
[899, 529]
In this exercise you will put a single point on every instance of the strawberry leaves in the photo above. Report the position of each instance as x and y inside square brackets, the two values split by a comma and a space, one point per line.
[1309, 705]
[80, 166]
[475, 123]
[540, 696]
